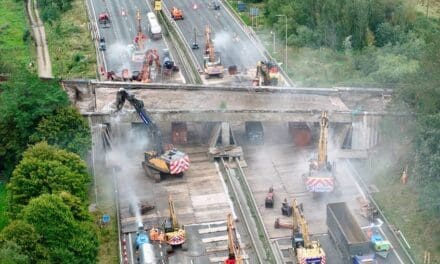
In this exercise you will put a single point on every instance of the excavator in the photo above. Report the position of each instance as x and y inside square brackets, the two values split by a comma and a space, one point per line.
[157, 163]
[212, 65]
[321, 172]
[176, 13]
[306, 250]
[267, 74]
[174, 234]
[234, 256]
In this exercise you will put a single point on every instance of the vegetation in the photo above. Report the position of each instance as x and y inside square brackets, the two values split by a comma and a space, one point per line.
[15, 40]
[47, 169]
[67, 129]
[3, 205]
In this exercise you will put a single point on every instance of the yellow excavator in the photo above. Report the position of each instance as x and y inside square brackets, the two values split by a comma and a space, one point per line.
[212, 65]
[306, 250]
[175, 235]
[321, 172]
[234, 256]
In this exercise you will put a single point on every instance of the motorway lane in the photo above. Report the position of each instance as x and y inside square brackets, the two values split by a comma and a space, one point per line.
[229, 38]
[122, 30]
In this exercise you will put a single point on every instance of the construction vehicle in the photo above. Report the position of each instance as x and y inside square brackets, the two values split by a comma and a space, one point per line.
[176, 13]
[140, 38]
[321, 178]
[346, 233]
[306, 250]
[286, 208]
[267, 74]
[157, 162]
[234, 250]
[268, 201]
[175, 235]
[279, 224]
[212, 65]
[144, 248]
[104, 18]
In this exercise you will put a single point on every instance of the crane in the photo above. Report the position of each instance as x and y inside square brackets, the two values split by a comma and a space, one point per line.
[321, 172]
[140, 37]
[211, 59]
[234, 256]
[306, 250]
[157, 162]
[174, 234]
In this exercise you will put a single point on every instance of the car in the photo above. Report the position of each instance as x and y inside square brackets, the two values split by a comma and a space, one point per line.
[215, 5]
[102, 44]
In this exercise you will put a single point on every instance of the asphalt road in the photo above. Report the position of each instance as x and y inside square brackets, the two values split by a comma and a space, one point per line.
[229, 38]
[121, 32]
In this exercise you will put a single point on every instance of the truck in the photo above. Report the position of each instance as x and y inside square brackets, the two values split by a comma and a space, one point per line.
[348, 236]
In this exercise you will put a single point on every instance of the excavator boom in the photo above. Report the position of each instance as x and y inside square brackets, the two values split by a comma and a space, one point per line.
[233, 243]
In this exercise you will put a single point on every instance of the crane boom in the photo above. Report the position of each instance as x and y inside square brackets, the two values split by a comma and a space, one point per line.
[233, 243]
[322, 149]
[173, 217]
[138, 105]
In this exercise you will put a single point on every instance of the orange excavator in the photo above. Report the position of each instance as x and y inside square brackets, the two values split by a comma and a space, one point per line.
[211, 60]
[176, 13]
[234, 256]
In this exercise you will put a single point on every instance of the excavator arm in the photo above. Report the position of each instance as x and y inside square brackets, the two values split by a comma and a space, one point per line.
[173, 216]
[122, 96]
[233, 243]
[322, 148]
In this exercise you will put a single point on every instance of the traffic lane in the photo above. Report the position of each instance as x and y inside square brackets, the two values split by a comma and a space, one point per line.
[229, 39]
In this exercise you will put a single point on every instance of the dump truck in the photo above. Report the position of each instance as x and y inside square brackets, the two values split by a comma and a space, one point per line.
[348, 236]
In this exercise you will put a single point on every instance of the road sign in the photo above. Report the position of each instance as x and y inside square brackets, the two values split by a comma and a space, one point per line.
[253, 11]
[105, 218]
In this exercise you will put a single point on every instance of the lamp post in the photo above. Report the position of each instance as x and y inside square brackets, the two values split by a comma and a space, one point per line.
[285, 49]
[274, 46]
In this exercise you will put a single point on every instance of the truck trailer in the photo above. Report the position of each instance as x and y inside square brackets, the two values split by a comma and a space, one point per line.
[348, 236]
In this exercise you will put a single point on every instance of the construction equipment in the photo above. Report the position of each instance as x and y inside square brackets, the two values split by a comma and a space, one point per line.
[211, 60]
[141, 208]
[346, 233]
[279, 224]
[157, 162]
[140, 38]
[144, 248]
[267, 74]
[104, 18]
[306, 250]
[234, 256]
[176, 13]
[286, 208]
[321, 178]
[174, 234]
[268, 201]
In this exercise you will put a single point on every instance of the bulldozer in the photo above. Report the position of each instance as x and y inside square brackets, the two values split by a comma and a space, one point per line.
[158, 162]
[267, 74]
[176, 13]
[211, 60]
[234, 250]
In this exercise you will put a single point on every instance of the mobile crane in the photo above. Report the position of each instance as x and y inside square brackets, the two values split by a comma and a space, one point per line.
[306, 250]
[234, 256]
[175, 235]
[321, 172]
[157, 162]
[211, 60]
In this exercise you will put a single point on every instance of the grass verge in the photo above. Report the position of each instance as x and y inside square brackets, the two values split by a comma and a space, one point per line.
[71, 47]
[15, 37]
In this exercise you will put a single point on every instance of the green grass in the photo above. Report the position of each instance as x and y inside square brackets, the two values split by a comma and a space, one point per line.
[14, 51]
[3, 200]
[71, 47]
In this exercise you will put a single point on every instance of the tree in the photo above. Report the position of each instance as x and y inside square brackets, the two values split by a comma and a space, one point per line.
[66, 240]
[67, 129]
[47, 169]
[26, 237]
[11, 253]
[24, 101]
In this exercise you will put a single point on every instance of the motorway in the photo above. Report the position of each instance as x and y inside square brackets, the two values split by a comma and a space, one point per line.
[229, 38]
[121, 32]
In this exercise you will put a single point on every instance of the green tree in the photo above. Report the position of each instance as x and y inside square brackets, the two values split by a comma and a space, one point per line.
[67, 129]
[67, 240]
[47, 169]
[11, 253]
[25, 236]
[24, 101]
